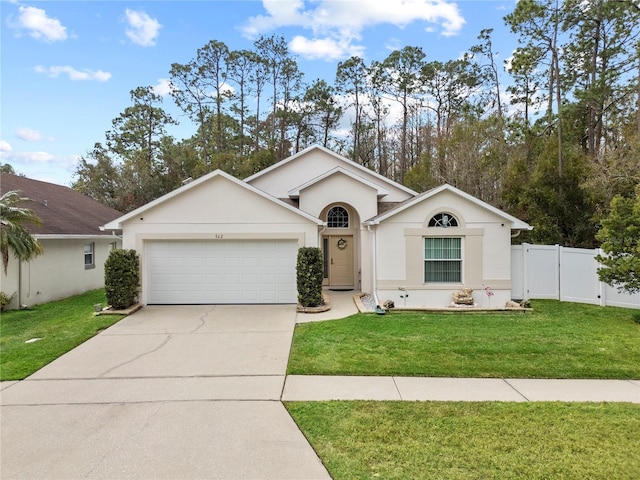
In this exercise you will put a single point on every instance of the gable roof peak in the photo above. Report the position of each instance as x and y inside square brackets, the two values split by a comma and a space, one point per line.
[380, 191]
[117, 223]
[517, 224]
[334, 155]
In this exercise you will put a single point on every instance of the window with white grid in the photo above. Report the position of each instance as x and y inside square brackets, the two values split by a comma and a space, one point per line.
[442, 260]
[338, 217]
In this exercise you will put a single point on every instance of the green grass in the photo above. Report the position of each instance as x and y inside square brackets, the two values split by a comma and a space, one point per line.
[556, 340]
[447, 440]
[62, 325]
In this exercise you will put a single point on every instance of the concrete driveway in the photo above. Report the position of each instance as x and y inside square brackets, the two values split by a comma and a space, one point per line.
[169, 392]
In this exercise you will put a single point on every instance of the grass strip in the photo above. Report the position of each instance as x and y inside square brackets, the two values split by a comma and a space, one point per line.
[557, 340]
[61, 326]
[415, 440]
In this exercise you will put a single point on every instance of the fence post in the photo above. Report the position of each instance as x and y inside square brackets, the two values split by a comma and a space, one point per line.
[525, 271]
[558, 269]
[602, 287]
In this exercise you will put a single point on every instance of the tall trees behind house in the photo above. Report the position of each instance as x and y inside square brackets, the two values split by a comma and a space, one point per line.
[552, 137]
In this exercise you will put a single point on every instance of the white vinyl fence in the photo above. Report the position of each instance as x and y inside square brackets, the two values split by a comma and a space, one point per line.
[562, 273]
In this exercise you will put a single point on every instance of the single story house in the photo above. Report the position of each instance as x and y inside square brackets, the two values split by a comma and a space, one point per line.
[218, 239]
[75, 248]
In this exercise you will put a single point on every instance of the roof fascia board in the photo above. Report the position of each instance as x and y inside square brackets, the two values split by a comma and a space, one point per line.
[72, 236]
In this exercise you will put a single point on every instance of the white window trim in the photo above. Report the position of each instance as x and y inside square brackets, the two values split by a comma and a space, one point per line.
[92, 252]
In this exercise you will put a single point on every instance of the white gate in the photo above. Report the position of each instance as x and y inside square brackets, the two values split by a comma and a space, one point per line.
[562, 273]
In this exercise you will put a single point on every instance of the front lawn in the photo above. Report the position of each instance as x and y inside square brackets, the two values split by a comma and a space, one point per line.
[61, 325]
[402, 440]
[556, 340]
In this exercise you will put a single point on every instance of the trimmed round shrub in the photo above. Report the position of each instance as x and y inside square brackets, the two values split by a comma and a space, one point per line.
[121, 278]
[309, 269]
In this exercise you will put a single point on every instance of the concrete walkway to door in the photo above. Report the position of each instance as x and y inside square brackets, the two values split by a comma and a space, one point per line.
[169, 392]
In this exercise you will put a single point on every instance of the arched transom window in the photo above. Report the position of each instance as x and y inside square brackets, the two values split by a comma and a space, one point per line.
[338, 217]
[444, 220]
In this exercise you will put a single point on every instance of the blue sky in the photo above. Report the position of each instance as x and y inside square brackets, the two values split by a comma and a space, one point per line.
[68, 66]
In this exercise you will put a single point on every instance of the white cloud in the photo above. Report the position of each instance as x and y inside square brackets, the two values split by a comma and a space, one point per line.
[143, 30]
[324, 48]
[5, 146]
[40, 26]
[45, 159]
[29, 135]
[73, 74]
[164, 87]
[339, 24]
[29, 157]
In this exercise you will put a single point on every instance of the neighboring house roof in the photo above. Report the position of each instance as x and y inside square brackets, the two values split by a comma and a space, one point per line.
[335, 155]
[516, 224]
[63, 211]
[117, 223]
[381, 192]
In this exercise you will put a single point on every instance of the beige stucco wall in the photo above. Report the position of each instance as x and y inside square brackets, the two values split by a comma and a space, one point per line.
[59, 272]
[367, 261]
[217, 210]
[486, 260]
[339, 189]
[300, 170]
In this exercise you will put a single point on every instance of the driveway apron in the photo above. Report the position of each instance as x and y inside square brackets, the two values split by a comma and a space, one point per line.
[169, 392]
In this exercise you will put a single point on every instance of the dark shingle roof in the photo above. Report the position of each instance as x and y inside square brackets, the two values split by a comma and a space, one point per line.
[63, 211]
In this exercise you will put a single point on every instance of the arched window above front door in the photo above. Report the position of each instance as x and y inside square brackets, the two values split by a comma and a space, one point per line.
[338, 217]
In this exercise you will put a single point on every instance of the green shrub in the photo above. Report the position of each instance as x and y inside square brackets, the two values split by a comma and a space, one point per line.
[5, 300]
[309, 268]
[121, 278]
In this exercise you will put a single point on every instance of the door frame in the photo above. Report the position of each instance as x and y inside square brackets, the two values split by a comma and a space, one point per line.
[352, 232]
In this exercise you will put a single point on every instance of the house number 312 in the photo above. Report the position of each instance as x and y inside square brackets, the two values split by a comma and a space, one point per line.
[218, 236]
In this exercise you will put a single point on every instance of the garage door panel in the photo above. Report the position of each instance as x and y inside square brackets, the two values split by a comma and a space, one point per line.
[236, 271]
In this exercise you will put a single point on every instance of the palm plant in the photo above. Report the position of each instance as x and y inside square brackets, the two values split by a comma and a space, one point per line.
[13, 233]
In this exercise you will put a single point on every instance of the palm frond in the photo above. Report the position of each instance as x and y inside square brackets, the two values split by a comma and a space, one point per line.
[13, 233]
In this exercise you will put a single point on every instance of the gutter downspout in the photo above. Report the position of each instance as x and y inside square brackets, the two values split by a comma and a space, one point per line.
[321, 231]
[374, 264]
[19, 284]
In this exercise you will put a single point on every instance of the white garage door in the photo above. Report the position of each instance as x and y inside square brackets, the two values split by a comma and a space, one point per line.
[222, 271]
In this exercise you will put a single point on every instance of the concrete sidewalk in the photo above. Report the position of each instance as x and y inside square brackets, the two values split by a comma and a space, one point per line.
[318, 388]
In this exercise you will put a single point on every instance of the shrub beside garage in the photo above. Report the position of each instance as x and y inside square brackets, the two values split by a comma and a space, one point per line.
[309, 273]
[122, 278]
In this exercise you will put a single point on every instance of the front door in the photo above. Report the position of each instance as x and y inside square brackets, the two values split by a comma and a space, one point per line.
[341, 260]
